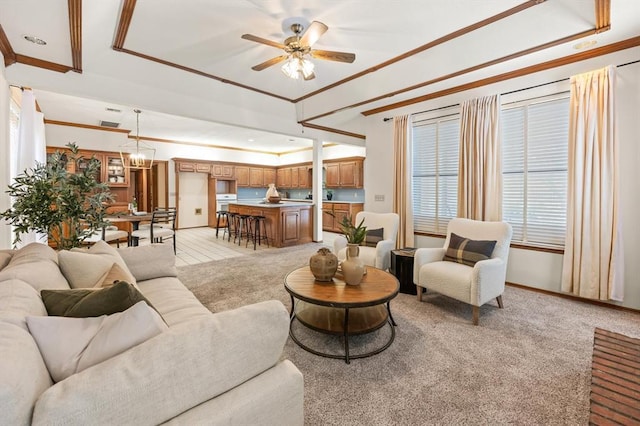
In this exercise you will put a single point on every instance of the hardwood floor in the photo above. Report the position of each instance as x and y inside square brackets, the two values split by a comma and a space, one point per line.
[199, 245]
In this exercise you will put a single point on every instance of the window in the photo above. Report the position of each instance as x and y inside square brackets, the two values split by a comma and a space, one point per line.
[435, 173]
[535, 148]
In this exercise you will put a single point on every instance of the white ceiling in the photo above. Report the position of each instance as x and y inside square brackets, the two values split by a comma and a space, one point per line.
[204, 35]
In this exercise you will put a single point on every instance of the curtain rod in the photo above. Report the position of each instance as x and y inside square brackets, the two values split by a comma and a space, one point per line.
[385, 119]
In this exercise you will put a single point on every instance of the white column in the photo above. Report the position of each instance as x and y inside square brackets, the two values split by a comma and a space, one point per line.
[317, 190]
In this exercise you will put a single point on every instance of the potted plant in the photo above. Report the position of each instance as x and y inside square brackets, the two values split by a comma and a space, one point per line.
[353, 267]
[66, 206]
[353, 234]
[329, 194]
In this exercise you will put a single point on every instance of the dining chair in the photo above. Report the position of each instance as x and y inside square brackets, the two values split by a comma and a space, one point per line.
[162, 226]
[109, 233]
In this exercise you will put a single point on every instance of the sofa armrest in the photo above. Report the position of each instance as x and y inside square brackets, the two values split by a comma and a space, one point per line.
[423, 256]
[383, 254]
[173, 372]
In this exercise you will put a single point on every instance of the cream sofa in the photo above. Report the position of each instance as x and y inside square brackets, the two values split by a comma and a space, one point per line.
[223, 368]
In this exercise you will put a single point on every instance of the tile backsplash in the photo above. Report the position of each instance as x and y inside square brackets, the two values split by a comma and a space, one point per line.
[340, 194]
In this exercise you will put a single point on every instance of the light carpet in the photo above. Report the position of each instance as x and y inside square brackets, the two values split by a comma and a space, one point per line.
[528, 363]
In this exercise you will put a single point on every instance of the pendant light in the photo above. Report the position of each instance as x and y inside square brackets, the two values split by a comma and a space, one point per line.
[137, 154]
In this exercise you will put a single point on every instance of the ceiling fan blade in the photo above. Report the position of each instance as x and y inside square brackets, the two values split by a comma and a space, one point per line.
[333, 56]
[311, 77]
[270, 62]
[257, 39]
[313, 33]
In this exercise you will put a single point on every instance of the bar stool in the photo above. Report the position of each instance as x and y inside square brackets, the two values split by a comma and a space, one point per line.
[221, 214]
[258, 230]
[231, 226]
[242, 227]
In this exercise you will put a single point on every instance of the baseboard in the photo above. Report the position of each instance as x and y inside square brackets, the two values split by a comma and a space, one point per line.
[575, 298]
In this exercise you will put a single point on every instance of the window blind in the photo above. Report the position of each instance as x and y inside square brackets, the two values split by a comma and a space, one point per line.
[535, 149]
[435, 173]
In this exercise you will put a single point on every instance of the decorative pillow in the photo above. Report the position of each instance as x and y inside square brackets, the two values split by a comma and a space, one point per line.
[91, 302]
[100, 266]
[466, 251]
[374, 236]
[37, 265]
[70, 345]
[150, 261]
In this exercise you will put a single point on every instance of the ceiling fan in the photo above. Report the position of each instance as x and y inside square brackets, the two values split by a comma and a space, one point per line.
[296, 48]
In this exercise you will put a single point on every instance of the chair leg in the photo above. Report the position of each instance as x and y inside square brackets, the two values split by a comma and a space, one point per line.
[499, 300]
[476, 315]
[419, 289]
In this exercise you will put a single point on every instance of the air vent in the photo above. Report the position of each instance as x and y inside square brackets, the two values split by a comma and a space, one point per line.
[109, 124]
[113, 109]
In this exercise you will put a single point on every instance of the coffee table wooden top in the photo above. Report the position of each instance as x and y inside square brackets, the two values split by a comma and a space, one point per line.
[377, 287]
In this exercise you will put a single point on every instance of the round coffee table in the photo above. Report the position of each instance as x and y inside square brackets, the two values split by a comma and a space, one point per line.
[341, 309]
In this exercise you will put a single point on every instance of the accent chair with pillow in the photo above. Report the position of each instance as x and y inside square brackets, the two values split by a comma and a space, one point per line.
[382, 231]
[112, 337]
[472, 265]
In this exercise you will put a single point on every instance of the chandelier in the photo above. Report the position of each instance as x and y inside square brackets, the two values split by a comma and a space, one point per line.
[296, 65]
[136, 154]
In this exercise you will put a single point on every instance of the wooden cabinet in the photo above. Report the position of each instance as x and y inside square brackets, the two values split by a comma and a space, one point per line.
[344, 174]
[242, 176]
[193, 167]
[339, 210]
[304, 182]
[269, 176]
[222, 171]
[256, 177]
[294, 177]
[283, 177]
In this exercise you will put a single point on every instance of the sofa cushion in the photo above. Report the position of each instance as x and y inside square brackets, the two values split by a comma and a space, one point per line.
[466, 251]
[17, 300]
[173, 300]
[151, 261]
[70, 345]
[173, 372]
[37, 265]
[23, 372]
[82, 303]
[86, 269]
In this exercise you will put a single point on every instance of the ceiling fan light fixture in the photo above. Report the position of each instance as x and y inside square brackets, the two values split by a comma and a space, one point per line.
[296, 66]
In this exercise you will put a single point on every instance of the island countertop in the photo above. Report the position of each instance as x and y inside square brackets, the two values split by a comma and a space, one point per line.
[263, 204]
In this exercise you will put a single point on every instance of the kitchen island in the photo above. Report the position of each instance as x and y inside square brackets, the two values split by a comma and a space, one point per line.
[288, 223]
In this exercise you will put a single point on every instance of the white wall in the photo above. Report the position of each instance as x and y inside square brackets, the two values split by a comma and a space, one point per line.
[328, 153]
[5, 229]
[534, 268]
[193, 195]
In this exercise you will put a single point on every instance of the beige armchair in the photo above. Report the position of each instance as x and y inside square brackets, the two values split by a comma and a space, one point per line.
[475, 285]
[380, 255]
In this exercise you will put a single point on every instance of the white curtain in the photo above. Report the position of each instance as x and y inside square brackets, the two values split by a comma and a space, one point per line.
[30, 149]
[480, 160]
[402, 196]
[593, 260]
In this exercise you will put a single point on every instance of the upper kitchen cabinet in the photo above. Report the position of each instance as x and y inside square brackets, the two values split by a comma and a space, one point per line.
[269, 176]
[344, 174]
[283, 177]
[242, 176]
[222, 171]
[256, 177]
[304, 181]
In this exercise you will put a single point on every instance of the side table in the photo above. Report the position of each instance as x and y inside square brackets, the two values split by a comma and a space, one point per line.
[402, 268]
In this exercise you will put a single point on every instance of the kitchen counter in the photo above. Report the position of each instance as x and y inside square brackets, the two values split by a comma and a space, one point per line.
[283, 203]
[288, 223]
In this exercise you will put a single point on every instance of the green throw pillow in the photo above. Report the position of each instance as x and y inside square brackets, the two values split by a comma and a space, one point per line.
[82, 303]
[466, 251]
[374, 236]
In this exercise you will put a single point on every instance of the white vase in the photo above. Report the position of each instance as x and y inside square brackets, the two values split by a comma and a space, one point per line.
[353, 267]
[272, 191]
